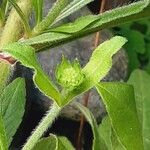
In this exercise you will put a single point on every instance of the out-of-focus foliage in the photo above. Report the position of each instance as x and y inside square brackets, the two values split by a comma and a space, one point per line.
[138, 46]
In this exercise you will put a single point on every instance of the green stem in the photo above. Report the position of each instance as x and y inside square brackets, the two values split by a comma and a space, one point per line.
[13, 29]
[42, 127]
[24, 18]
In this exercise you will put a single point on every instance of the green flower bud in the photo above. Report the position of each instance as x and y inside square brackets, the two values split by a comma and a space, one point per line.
[69, 75]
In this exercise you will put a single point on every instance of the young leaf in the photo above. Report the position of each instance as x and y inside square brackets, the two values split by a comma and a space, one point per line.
[121, 108]
[12, 103]
[3, 138]
[54, 143]
[26, 55]
[98, 143]
[52, 15]
[98, 66]
[4, 75]
[38, 7]
[71, 8]
[108, 16]
[78, 25]
[141, 83]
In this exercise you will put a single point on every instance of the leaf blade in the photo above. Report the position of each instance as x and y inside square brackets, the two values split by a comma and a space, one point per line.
[71, 8]
[3, 138]
[26, 55]
[120, 105]
[12, 103]
[98, 66]
[140, 81]
[98, 143]
[54, 143]
[4, 75]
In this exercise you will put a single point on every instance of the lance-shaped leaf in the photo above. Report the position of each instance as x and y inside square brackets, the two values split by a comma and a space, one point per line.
[26, 55]
[38, 9]
[3, 138]
[12, 103]
[104, 18]
[98, 143]
[51, 16]
[78, 25]
[54, 143]
[134, 11]
[98, 66]
[141, 83]
[4, 74]
[120, 105]
[71, 8]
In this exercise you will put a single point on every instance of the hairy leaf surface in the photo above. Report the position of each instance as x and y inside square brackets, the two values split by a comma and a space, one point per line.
[111, 18]
[26, 55]
[98, 66]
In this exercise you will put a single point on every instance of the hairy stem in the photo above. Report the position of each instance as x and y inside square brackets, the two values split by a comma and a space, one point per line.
[14, 27]
[42, 127]
[50, 18]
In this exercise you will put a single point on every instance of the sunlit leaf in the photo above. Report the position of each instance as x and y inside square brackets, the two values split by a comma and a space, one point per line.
[26, 55]
[98, 66]
[120, 105]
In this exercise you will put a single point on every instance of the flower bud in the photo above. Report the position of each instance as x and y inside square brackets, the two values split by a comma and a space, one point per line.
[69, 75]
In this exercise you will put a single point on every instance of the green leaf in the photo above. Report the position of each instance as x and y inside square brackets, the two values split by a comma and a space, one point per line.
[141, 83]
[104, 130]
[3, 138]
[98, 143]
[108, 135]
[49, 143]
[26, 55]
[98, 66]
[111, 18]
[71, 8]
[38, 8]
[52, 15]
[105, 17]
[78, 25]
[4, 75]
[12, 103]
[120, 105]
[45, 39]
[54, 143]
[64, 144]
[136, 45]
